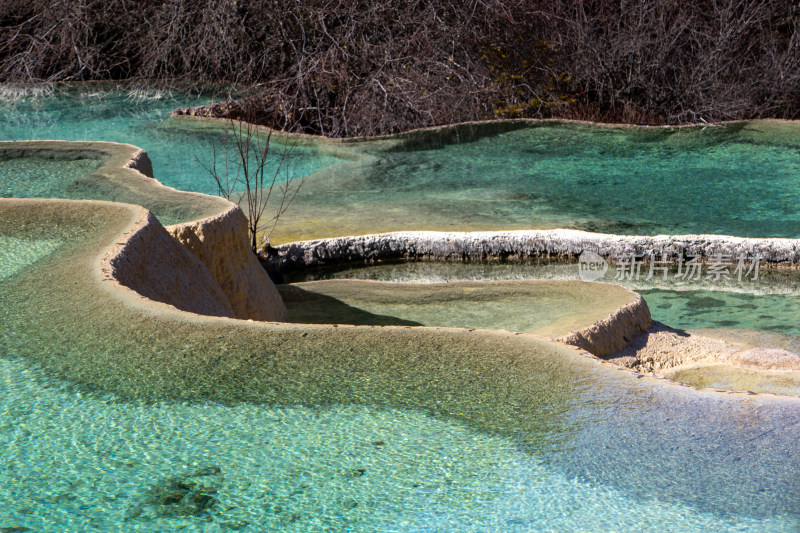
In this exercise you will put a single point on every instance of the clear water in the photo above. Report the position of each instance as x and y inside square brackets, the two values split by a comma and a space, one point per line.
[349, 430]
[494, 433]
[88, 462]
[615, 180]
[770, 304]
[728, 180]
[722, 309]
[738, 179]
[551, 309]
[58, 173]
[20, 252]
[100, 113]
[40, 177]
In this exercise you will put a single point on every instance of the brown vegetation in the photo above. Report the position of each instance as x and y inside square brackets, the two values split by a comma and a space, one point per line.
[364, 67]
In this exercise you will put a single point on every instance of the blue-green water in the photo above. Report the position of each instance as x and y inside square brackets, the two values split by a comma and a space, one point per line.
[739, 179]
[624, 456]
[696, 309]
[770, 304]
[603, 451]
[38, 177]
[141, 118]
[734, 180]
[87, 462]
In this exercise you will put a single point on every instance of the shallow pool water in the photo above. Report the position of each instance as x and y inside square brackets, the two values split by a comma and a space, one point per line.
[112, 418]
[42, 177]
[548, 308]
[770, 304]
[140, 118]
[723, 309]
[20, 252]
[732, 180]
[349, 429]
[736, 179]
[87, 462]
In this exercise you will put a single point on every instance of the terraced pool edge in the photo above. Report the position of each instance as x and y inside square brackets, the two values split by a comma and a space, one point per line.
[254, 350]
[209, 240]
[525, 244]
[215, 230]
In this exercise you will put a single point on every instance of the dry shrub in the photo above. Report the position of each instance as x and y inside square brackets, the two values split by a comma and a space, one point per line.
[360, 67]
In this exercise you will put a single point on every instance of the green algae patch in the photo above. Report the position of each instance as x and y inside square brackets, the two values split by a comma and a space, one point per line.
[544, 307]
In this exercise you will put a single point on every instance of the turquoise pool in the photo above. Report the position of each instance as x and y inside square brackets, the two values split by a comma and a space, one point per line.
[607, 179]
[588, 449]
[140, 118]
[51, 177]
[737, 179]
[621, 461]
[770, 304]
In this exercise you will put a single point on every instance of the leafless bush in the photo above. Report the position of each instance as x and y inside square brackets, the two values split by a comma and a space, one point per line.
[682, 61]
[248, 154]
[365, 67]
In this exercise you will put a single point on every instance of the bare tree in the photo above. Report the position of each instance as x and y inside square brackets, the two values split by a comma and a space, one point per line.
[247, 150]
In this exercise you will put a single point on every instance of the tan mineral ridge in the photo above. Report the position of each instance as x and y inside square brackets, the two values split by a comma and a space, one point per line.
[214, 273]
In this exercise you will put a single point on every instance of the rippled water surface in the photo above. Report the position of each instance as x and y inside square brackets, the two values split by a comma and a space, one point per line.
[491, 441]
[589, 448]
[88, 462]
[39, 177]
